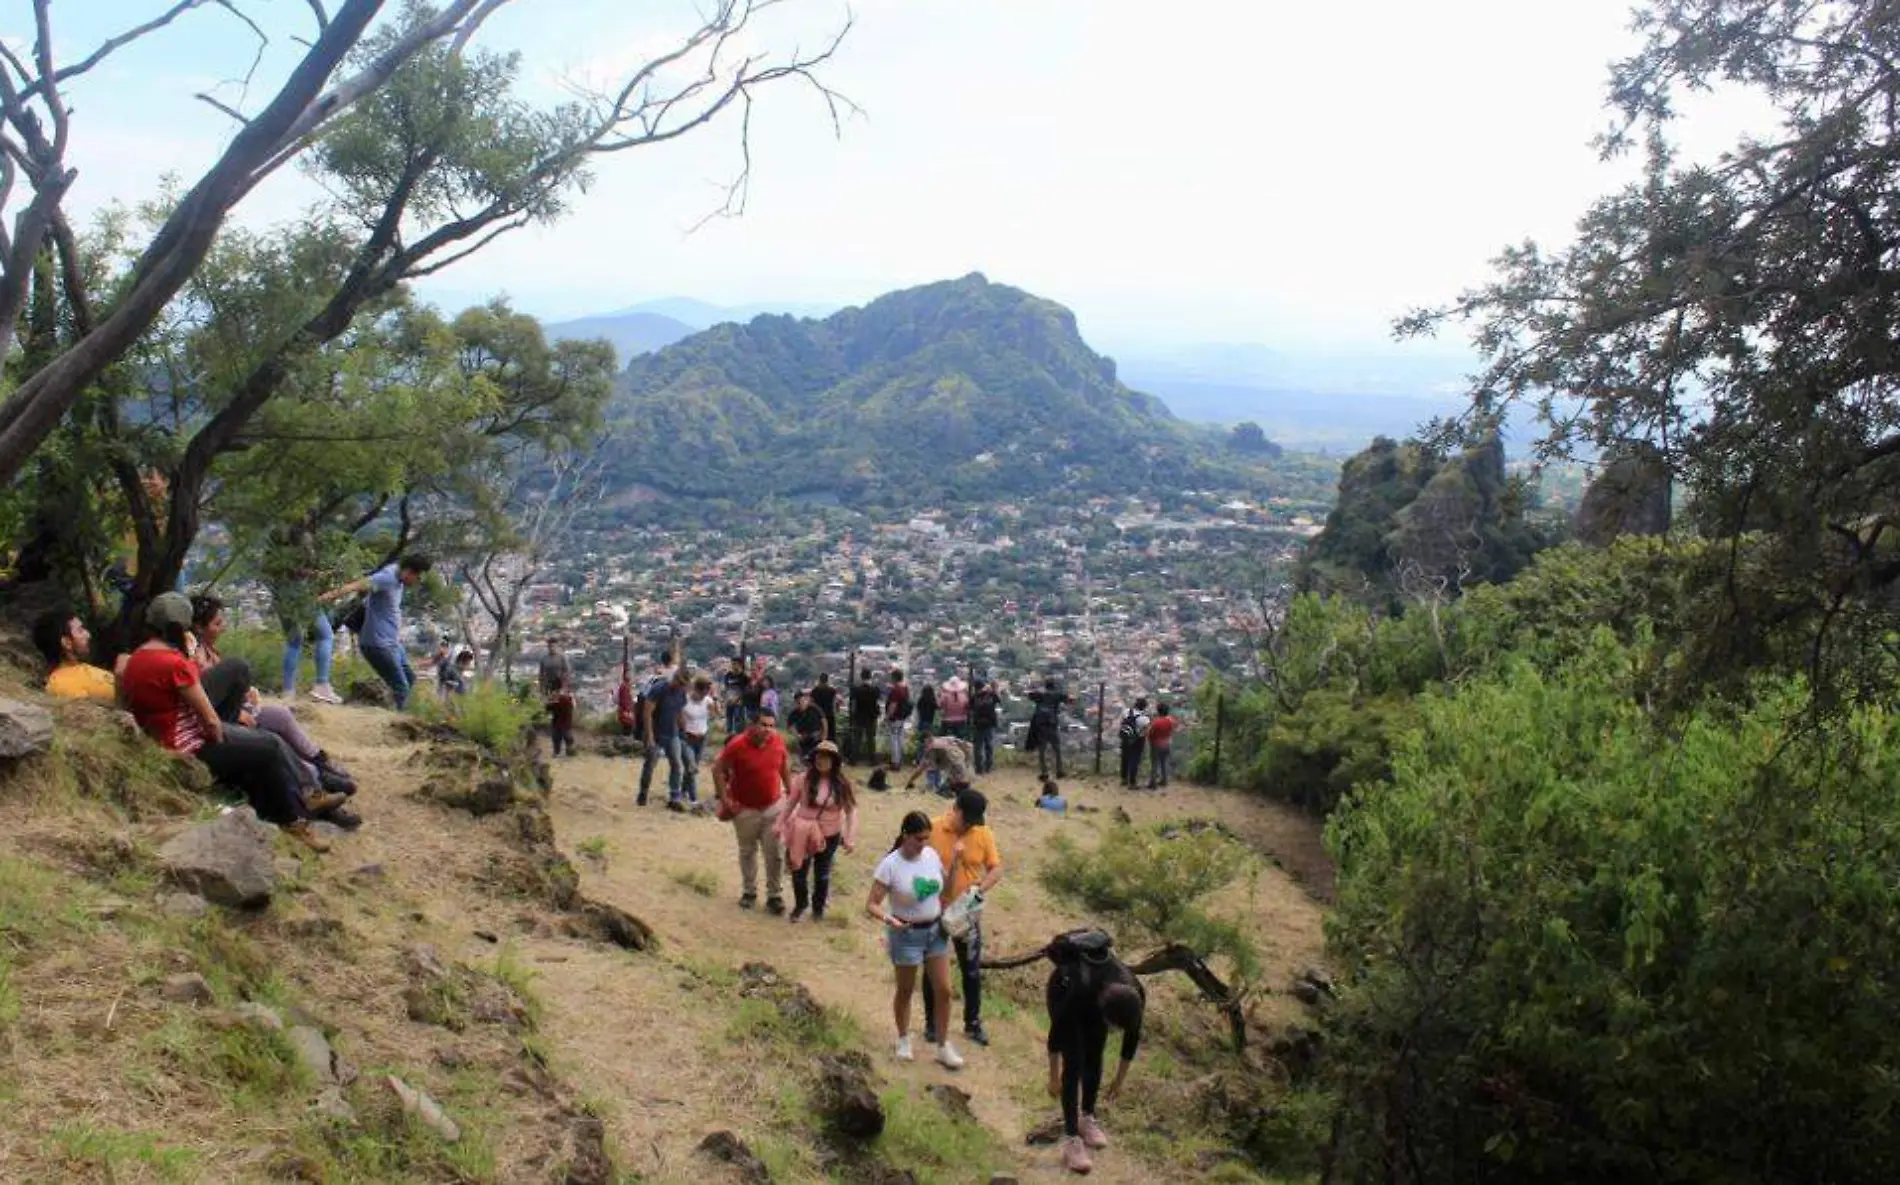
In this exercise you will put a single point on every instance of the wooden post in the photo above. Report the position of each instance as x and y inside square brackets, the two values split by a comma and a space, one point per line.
[1220, 726]
[1101, 709]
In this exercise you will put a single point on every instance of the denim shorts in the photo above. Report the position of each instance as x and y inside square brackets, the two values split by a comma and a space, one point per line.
[909, 947]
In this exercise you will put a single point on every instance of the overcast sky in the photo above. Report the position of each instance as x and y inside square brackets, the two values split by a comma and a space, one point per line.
[1196, 170]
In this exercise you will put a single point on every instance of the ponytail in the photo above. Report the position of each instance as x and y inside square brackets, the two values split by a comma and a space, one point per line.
[915, 823]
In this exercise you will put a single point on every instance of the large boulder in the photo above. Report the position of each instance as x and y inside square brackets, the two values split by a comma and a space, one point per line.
[846, 1098]
[228, 860]
[25, 729]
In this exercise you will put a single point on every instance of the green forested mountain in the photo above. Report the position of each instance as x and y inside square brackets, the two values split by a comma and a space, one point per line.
[963, 388]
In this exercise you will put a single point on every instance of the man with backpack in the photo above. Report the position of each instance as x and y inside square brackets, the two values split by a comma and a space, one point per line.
[897, 709]
[985, 714]
[1133, 736]
[1045, 725]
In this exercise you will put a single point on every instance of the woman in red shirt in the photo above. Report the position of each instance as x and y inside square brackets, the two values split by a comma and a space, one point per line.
[159, 686]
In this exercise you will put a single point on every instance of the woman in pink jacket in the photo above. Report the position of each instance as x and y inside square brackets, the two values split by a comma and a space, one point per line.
[820, 817]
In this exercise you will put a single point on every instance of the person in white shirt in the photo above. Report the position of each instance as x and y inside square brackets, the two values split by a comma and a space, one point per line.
[907, 896]
[695, 720]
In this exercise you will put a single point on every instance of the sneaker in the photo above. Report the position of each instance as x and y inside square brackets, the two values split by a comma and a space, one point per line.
[303, 834]
[323, 693]
[903, 1049]
[798, 911]
[676, 806]
[1092, 1134]
[748, 900]
[948, 1057]
[775, 905]
[977, 1033]
[1075, 1156]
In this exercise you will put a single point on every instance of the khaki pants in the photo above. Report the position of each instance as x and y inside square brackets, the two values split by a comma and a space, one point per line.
[754, 829]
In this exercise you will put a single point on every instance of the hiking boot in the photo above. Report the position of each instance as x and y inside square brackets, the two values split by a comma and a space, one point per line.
[323, 801]
[1075, 1156]
[798, 911]
[334, 781]
[323, 693]
[977, 1033]
[303, 833]
[775, 905]
[948, 1057]
[676, 806]
[344, 817]
[903, 1053]
[1092, 1134]
[748, 900]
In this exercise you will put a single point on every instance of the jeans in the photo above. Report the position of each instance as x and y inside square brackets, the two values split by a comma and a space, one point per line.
[816, 871]
[863, 740]
[1050, 742]
[692, 750]
[1160, 766]
[1131, 763]
[324, 650]
[262, 767]
[735, 718]
[280, 723]
[754, 831]
[561, 726]
[668, 747]
[969, 950]
[983, 742]
[894, 738]
[393, 665]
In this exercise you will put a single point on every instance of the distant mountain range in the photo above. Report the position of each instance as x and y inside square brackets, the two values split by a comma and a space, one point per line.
[963, 389]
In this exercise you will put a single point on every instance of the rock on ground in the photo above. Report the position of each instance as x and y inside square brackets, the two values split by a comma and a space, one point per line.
[727, 1148]
[25, 729]
[846, 1097]
[187, 988]
[228, 860]
[424, 1109]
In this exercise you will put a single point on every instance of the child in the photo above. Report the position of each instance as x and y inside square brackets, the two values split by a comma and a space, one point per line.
[1051, 798]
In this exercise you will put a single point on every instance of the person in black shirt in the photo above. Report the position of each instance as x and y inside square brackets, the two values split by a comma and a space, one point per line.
[866, 703]
[985, 714]
[808, 725]
[826, 697]
[1087, 995]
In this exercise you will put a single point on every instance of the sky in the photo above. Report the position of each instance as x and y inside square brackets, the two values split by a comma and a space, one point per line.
[1190, 171]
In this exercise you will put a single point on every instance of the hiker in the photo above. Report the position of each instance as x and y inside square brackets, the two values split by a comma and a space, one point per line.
[159, 686]
[768, 696]
[227, 684]
[926, 716]
[1132, 734]
[381, 637]
[735, 682]
[754, 695]
[897, 710]
[64, 642]
[865, 704]
[1045, 726]
[953, 703]
[1089, 991]
[750, 778]
[968, 850]
[826, 697]
[660, 719]
[291, 563]
[946, 763]
[820, 816]
[1161, 733]
[557, 692]
[1050, 798]
[807, 724]
[985, 716]
[695, 723]
[448, 677]
[907, 897]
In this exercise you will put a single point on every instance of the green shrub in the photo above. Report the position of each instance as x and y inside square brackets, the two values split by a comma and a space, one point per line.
[264, 650]
[1579, 946]
[494, 717]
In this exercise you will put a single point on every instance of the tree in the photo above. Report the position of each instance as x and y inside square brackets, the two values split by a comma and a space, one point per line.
[428, 154]
[1737, 317]
[1247, 437]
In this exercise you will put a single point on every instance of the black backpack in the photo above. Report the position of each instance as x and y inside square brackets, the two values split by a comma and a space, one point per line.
[353, 616]
[1130, 730]
[983, 709]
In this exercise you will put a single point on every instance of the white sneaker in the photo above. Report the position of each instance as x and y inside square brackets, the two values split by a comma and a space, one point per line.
[948, 1057]
[903, 1049]
[323, 693]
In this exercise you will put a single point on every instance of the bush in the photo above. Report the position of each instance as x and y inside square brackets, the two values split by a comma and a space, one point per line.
[489, 714]
[264, 650]
[1578, 946]
[1153, 883]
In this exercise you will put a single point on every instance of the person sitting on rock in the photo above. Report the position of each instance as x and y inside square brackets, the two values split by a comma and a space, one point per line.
[63, 641]
[159, 686]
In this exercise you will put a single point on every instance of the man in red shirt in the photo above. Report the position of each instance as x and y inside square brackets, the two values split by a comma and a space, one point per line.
[751, 774]
[1161, 732]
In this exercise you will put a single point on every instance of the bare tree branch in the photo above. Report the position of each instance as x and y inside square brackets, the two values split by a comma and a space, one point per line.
[48, 77]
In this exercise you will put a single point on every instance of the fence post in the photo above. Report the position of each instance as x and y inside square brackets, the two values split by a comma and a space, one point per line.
[1220, 726]
[850, 745]
[1101, 704]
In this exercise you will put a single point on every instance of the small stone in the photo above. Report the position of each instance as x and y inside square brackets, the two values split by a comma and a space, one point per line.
[1045, 1133]
[332, 1105]
[727, 1148]
[1002, 1179]
[183, 905]
[368, 872]
[423, 1108]
[422, 962]
[314, 1053]
[189, 988]
[327, 829]
[252, 1015]
[954, 1101]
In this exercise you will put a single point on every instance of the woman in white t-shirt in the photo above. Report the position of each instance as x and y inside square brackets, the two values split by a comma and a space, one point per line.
[907, 896]
[695, 719]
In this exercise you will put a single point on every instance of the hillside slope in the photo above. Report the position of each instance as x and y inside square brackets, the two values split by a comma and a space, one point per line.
[960, 388]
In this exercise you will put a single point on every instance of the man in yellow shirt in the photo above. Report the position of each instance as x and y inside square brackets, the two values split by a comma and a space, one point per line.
[968, 850]
[63, 641]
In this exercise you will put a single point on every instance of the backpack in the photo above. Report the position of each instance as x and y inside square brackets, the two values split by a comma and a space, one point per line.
[903, 706]
[624, 705]
[1130, 730]
[353, 617]
[983, 709]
